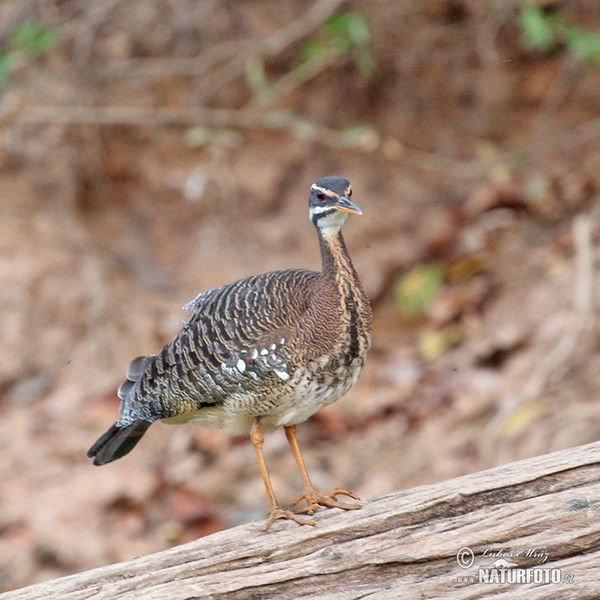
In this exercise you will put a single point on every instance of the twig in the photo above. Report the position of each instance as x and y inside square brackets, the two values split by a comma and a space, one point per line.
[161, 67]
[292, 80]
[133, 115]
[87, 27]
[227, 60]
[250, 119]
[577, 136]
[25, 10]
[497, 14]
[296, 30]
[581, 316]
[271, 46]
[541, 125]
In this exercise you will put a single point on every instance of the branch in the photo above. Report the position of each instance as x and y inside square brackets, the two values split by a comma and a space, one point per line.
[231, 54]
[581, 317]
[250, 118]
[577, 136]
[269, 46]
[539, 513]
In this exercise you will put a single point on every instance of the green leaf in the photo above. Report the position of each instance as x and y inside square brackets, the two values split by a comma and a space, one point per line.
[536, 187]
[305, 131]
[414, 292]
[365, 61]
[5, 65]
[358, 30]
[336, 25]
[522, 418]
[201, 135]
[545, 31]
[536, 27]
[584, 45]
[346, 30]
[255, 73]
[432, 344]
[363, 136]
[313, 49]
[33, 37]
[343, 34]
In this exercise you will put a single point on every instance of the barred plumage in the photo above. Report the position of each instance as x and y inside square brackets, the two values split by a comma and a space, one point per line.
[267, 350]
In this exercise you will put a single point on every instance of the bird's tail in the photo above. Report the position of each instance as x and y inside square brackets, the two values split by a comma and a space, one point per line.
[118, 441]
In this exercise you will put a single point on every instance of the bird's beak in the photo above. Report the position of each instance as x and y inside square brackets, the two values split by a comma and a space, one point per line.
[346, 205]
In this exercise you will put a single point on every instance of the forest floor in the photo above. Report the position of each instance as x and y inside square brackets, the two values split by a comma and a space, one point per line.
[159, 149]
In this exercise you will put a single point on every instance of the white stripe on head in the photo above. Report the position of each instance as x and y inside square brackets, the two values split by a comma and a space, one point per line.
[317, 188]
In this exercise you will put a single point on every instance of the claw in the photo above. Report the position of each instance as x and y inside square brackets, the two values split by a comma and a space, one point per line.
[280, 513]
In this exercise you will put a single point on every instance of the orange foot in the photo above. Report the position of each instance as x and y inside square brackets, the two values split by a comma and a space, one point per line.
[315, 499]
[281, 513]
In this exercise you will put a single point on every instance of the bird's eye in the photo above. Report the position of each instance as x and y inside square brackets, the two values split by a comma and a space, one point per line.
[320, 196]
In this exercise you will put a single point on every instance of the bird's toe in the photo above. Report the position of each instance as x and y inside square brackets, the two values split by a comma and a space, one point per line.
[315, 499]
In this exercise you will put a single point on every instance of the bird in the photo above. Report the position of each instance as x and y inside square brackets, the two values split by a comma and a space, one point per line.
[263, 352]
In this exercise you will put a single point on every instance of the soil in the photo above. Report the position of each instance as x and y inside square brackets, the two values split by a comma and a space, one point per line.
[472, 156]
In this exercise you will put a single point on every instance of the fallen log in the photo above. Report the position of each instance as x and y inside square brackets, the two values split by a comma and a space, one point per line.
[529, 529]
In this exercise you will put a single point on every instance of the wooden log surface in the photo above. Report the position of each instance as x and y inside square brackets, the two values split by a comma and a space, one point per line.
[541, 514]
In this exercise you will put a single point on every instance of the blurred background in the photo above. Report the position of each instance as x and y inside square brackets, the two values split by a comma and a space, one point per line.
[150, 150]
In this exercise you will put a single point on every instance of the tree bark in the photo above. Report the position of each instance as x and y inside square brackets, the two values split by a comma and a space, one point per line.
[541, 514]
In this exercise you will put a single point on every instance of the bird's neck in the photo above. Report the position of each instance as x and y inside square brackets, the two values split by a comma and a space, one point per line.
[336, 263]
[341, 297]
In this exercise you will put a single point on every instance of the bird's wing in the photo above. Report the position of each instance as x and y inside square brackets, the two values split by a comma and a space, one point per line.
[198, 301]
[237, 339]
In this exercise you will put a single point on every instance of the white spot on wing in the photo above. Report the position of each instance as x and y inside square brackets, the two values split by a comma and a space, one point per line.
[281, 374]
[241, 366]
[264, 352]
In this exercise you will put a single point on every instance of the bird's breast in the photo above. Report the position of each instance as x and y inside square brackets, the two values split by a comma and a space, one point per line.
[312, 389]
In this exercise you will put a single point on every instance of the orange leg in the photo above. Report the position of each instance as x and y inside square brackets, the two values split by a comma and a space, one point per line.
[314, 498]
[275, 511]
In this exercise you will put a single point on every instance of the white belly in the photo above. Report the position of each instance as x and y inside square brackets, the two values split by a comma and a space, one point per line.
[304, 399]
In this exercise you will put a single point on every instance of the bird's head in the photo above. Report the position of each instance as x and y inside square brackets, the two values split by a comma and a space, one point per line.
[329, 203]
